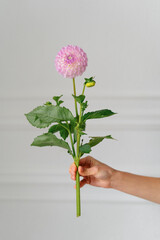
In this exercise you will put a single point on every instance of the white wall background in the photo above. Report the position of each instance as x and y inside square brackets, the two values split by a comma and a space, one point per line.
[121, 38]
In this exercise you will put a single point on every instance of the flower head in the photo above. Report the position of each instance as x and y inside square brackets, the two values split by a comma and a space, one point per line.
[71, 61]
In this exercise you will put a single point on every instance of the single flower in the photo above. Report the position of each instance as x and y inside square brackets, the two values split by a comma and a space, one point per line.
[71, 61]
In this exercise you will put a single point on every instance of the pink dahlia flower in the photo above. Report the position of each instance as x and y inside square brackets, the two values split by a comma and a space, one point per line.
[71, 61]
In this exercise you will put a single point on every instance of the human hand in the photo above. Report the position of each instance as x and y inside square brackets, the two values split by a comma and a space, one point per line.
[93, 172]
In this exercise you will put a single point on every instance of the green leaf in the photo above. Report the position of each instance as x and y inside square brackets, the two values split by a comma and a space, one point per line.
[60, 102]
[82, 126]
[56, 98]
[49, 139]
[48, 103]
[72, 126]
[43, 116]
[82, 133]
[84, 105]
[64, 133]
[79, 98]
[59, 128]
[98, 114]
[85, 148]
[55, 128]
[96, 140]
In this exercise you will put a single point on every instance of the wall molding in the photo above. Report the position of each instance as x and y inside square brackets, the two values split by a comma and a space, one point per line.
[54, 187]
[58, 191]
[121, 126]
[103, 95]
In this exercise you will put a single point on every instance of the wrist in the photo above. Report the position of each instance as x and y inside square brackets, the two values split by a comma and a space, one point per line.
[115, 179]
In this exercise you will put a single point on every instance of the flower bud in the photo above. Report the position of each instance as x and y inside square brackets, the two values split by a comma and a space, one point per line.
[90, 84]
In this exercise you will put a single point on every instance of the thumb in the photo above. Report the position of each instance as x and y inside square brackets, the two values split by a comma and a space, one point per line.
[87, 171]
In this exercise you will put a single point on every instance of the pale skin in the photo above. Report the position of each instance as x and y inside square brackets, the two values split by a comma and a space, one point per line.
[98, 174]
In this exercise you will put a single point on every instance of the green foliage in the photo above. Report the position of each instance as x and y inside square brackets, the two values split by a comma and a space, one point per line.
[79, 98]
[66, 124]
[82, 133]
[43, 116]
[62, 128]
[84, 106]
[98, 114]
[72, 125]
[56, 99]
[60, 102]
[49, 139]
[55, 128]
[82, 126]
[85, 148]
[64, 133]
[48, 103]
[96, 140]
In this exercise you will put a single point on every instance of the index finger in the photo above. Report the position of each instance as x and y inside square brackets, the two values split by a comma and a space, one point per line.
[86, 161]
[72, 168]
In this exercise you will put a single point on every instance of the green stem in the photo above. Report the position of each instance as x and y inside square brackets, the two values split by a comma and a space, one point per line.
[74, 90]
[80, 113]
[74, 154]
[78, 200]
[78, 143]
[78, 158]
[83, 89]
